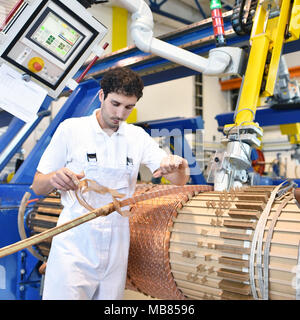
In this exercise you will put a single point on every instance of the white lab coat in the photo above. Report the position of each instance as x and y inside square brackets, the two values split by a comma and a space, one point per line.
[90, 261]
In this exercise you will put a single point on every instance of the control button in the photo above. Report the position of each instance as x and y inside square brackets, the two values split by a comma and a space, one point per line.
[37, 66]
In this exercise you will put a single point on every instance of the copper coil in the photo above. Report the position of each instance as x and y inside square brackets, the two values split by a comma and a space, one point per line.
[148, 264]
[297, 195]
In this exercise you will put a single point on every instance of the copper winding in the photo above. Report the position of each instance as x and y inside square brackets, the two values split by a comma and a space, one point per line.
[297, 195]
[150, 222]
[87, 185]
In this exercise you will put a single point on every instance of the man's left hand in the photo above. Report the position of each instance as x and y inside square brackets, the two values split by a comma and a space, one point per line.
[171, 164]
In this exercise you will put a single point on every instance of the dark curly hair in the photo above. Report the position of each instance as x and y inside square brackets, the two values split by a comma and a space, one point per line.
[122, 80]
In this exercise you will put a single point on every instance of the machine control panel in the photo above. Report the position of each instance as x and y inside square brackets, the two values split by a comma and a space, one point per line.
[55, 39]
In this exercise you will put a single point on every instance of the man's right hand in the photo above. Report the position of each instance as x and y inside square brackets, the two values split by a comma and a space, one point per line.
[64, 179]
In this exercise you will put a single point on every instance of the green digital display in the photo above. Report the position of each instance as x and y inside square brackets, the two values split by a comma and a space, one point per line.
[57, 36]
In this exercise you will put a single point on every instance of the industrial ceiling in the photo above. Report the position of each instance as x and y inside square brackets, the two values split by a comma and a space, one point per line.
[173, 12]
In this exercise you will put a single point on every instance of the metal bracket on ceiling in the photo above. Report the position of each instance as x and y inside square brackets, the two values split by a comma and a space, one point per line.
[226, 5]
[200, 9]
[155, 7]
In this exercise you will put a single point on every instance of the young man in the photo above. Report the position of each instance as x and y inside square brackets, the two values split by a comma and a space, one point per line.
[90, 261]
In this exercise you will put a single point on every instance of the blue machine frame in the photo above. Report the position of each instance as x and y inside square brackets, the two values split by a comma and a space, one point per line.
[182, 126]
[19, 277]
[265, 116]
[17, 133]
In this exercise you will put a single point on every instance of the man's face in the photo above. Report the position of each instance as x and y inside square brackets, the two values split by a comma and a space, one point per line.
[114, 109]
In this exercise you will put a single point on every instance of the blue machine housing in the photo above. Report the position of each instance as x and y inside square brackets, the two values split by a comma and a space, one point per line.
[182, 126]
[19, 277]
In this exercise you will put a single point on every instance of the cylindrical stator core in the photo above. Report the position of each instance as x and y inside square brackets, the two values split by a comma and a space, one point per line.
[200, 246]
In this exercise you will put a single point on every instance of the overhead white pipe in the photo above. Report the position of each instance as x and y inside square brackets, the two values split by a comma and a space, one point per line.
[142, 35]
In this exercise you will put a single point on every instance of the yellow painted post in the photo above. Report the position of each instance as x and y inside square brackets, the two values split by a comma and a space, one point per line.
[132, 117]
[250, 90]
[294, 27]
[293, 132]
[265, 37]
[258, 22]
[277, 37]
[119, 41]
[119, 28]
[253, 77]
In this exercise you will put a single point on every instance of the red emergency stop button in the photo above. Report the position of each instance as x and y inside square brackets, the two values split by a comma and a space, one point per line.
[37, 66]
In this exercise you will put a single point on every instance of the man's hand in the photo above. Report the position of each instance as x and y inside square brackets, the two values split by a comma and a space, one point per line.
[173, 168]
[64, 179]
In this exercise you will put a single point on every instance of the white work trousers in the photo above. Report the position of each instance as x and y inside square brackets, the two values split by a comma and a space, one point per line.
[75, 272]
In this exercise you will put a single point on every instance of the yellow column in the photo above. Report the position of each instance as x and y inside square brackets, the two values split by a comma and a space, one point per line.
[294, 28]
[267, 36]
[293, 132]
[252, 82]
[119, 28]
[119, 41]
[277, 35]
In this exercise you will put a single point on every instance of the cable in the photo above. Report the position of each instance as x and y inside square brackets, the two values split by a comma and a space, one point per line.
[21, 229]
